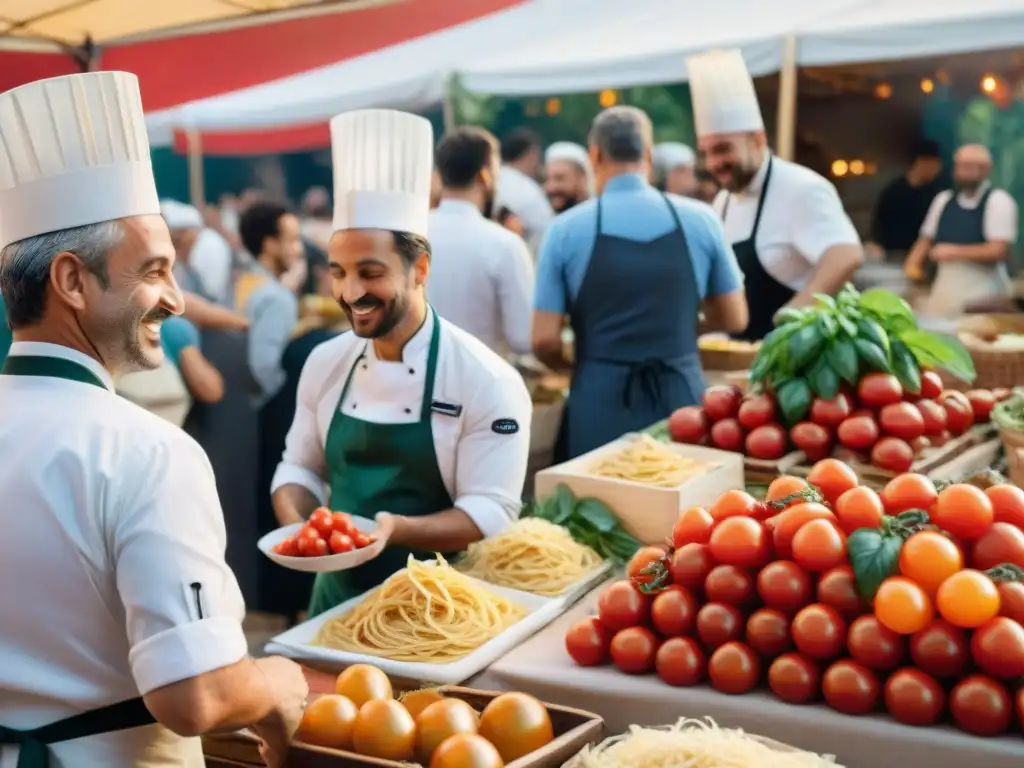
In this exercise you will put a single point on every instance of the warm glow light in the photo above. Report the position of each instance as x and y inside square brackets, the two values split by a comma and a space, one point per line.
[608, 99]
[870, 169]
[989, 83]
[840, 167]
[883, 91]
[553, 106]
[927, 85]
[943, 77]
[857, 167]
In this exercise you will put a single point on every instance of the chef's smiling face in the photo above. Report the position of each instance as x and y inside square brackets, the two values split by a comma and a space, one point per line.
[733, 158]
[565, 184]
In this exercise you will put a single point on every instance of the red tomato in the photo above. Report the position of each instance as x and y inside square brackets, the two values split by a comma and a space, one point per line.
[310, 547]
[909, 491]
[360, 539]
[767, 443]
[934, 417]
[794, 678]
[902, 420]
[877, 390]
[621, 605]
[323, 522]
[733, 503]
[342, 521]
[688, 424]
[914, 698]
[813, 439]
[1011, 600]
[768, 632]
[830, 413]
[833, 478]
[756, 411]
[642, 565]
[784, 585]
[633, 650]
[782, 487]
[792, 520]
[982, 402]
[819, 632]
[731, 585]
[893, 454]
[981, 706]
[963, 510]
[734, 668]
[674, 611]
[694, 525]
[858, 433]
[875, 645]
[931, 384]
[819, 545]
[718, 624]
[1002, 543]
[681, 661]
[838, 590]
[690, 566]
[722, 401]
[959, 414]
[289, 547]
[859, 507]
[588, 642]
[998, 648]
[340, 543]
[1020, 706]
[940, 650]
[727, 434]
[740, 541]
[1007, 503]
[850, 688]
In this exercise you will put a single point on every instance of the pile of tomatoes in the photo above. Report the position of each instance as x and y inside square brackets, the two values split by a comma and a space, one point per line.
[434, 729]
[325, 533]
[877, 421]
[911, 600]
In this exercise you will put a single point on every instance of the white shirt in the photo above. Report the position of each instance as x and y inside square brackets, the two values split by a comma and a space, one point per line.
[483, 470]
[999, 223]
[526, 199]
[802, 218]
[481, 277]
[112, 514]
[210, 261]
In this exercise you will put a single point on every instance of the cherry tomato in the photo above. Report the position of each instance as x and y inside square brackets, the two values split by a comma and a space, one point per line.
[734, 668]
[516, 724]
[830, 413]
[768, 632]
[289, 547]
[681, 661]
[1011, 600]
[794, 678]
[893, 454]
[837, 589]
[733, 503]
[858, 433]
[859, 507]
[342, 521]
[784, 585]
[1020, 706]
[929, 558]
[622, 605]
[766, 443]
[914, 698]
[963, 510]
[940, 650]
[323, 522]
[968, 599]
[588, 642]
[718, 624]
[934, 416]
[693, 526]
[819, 632]
[875, 645]
[740, 541]
[833, 478]
[731, 585]
[306, 539]
[633, 650]
[690, 566]
[688, 424]
[727, 435]
[674, 611]
[312, 547]
[360, 539]
[902, 420]
[902, 606]
[1007, 503]
[819, 545]
[982, 402]
[641, 565]
[850, 687]
[787, 523]
[981, 706]
[931, 384]
[998, 648]
[756, 411]
[959, 414]
[784, 486]
[722, 401]
[877, 390]
[340, 543]
[813, 439]
[1002, 543]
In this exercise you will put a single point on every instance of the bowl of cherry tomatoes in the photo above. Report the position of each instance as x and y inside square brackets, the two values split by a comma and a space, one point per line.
[328, 541]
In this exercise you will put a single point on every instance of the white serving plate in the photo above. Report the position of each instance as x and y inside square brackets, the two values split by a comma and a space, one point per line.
[296, 642]
[324, 563]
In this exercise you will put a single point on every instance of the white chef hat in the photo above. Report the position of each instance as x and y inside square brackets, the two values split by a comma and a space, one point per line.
[722, 90]
[181, 215]
[672, 154]
[573, 153]
[73, 151]
[382, 161]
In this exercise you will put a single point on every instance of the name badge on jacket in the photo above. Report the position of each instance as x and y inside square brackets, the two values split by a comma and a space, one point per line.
[446, 409]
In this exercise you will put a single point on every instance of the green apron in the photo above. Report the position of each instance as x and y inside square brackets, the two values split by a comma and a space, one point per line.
[34, 744]
[380, 468]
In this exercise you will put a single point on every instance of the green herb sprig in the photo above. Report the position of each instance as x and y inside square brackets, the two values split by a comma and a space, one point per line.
[589, 521]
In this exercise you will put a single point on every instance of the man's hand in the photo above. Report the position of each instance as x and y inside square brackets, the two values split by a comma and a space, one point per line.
[386, 524]
[290, 691]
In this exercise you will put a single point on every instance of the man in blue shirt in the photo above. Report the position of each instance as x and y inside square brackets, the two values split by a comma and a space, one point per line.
[633, 269]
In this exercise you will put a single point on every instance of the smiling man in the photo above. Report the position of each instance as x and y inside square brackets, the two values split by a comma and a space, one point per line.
[406, 418]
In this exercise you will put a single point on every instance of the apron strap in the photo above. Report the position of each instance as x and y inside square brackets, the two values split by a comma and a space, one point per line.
[53, 367]
[432, 354]
[760, 202]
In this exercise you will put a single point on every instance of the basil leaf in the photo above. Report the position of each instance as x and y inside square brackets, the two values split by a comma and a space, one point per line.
[842, 356]
[597, 514]
[869, 330]
[906, 367]
[825, 300]
[874, 557]
[823, 380]
[935, 351]
[828, 326]
[794, 398]
[805, 345]
[887, 306]
[847, 322]
[565, 504]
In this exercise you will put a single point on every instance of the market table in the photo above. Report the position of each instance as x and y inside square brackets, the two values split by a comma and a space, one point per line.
[542, 667]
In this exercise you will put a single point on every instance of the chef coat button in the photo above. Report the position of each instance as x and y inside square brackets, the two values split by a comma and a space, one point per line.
[408, 410]
[354, 406]
[412, 370]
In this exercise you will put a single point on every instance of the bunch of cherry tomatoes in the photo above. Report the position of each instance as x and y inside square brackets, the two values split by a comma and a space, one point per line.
[325, 533]
[911, 599]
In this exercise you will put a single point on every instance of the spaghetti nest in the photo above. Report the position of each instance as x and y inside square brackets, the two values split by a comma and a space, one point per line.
[647, 461]
[428, 613]
[531, 555]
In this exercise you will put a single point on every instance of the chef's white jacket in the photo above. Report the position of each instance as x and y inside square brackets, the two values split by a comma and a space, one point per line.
[802, 218]
[110, 516]
[526, 199]
[483, 467]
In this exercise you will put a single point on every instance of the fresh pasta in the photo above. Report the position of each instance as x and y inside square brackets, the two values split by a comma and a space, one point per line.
[647, 461]
[428, 613]
[531, 555]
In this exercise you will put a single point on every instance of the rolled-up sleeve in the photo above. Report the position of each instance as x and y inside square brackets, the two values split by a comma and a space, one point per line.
[550, 288]
[183, 607]
[493, 452]
[303, 462]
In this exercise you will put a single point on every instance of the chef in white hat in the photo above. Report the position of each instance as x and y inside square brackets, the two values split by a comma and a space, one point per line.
[203, 256]
[122, 637]
[675, 168]
[568, 175]
[408, 418]
[787, 225]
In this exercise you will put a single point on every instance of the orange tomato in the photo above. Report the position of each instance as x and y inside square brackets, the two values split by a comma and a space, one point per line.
[819, 545]
[328, 722]
[693, 527]
[417, 701]
[909, 491]
[1007, 504]
[385, 729]
[733, 504]
[362, 683]
[783, 486]
[516, 724]
[466, 751]
[859, 507]
[968, 599]
[903, 606]
[741, 541]
[441, 720]
[792, 520]
[963, 510]
[642, 558]
[833, 478]
[928, 558]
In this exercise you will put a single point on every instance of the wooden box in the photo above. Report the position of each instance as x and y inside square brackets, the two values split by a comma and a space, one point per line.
[648, 512]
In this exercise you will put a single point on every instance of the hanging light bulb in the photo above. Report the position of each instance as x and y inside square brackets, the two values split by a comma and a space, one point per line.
[989, 83]
[927, 85]
[840, 167]
[553, 106]
[608, 98]
[883, 91]
[857, 167]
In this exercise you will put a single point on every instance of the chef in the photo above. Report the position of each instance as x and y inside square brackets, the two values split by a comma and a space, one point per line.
[204, 257]
[406, 418]
[120, 624]
[786, 223]
[675, 169]
[568, 176]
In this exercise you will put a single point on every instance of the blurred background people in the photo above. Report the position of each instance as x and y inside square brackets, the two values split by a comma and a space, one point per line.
[518, 189]
[675, 169]
[203, 257]
[568, 177]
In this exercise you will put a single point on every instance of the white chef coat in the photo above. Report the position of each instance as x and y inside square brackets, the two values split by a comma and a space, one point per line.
[802, 218]
[210, 260]
[481, 277]
[482, 469]
[526, 199]
[111, 514]
[1000, 222]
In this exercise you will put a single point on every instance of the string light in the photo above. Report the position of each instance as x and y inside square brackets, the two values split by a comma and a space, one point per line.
[989, 83]
[927, 85]
[608, 98]
[857, 167]
[840, 167]
[883, 91]
[553, 106]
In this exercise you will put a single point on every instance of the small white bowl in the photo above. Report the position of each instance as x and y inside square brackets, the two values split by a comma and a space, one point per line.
[323, 563]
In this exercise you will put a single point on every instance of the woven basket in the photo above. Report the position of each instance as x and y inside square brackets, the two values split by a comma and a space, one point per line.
[995, 367]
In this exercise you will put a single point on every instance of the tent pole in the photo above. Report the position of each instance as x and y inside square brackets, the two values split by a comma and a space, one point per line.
[785, 125]
[448, 106]
[196, 186]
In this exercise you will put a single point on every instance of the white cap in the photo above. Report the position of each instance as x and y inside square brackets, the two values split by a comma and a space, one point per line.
[73, 151]
[383, 160]
[722, 90]
[567, 150]
[181, 215]
[672, 154]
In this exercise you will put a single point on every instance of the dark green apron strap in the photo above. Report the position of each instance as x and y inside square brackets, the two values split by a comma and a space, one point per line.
[53, 367]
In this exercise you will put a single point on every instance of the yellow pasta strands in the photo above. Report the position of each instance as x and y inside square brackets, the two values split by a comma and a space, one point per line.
[650, 462]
